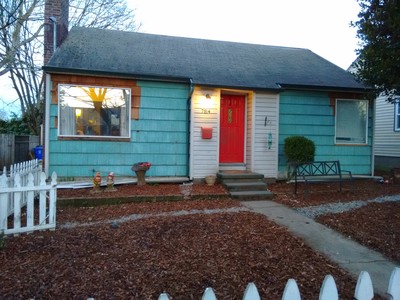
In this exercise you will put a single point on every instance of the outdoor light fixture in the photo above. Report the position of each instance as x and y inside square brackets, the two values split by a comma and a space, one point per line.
[206, 103]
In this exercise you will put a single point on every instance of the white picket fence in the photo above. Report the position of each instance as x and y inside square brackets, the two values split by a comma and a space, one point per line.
[39, 198]
[364, 289]
[23, 169]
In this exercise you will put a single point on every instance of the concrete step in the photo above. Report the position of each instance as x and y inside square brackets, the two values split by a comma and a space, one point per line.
[252, 195]
[226, 175]
[245, 185]
[234, 180]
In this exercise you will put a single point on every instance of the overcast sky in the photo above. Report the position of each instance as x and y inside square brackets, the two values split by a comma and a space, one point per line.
[321, 26]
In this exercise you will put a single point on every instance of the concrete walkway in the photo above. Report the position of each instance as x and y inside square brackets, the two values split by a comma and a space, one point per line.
[348, 254]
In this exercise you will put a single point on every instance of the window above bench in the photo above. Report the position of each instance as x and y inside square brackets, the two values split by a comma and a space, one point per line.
[351, 122]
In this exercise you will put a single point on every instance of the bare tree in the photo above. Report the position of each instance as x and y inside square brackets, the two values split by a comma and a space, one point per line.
[21, 45]
[106, 14]
[27, 80]
[16, 19]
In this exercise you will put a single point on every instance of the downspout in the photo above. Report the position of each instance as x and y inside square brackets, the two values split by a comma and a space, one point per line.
[54, 20]
[373, 120]
[47, 124]
[189, 104]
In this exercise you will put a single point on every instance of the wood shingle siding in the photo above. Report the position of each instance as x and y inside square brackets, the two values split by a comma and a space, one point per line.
[159, 136]
[312, 115]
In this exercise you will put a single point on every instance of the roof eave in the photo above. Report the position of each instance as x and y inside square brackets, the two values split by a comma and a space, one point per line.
[325, 88]
[57, 70]
[239, 87]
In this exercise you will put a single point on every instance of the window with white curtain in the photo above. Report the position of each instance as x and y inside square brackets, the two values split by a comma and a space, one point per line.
[351, 121]
[94, 111]
[397, 116]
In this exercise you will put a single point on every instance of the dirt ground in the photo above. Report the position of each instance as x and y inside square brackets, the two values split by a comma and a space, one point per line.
[180, 253]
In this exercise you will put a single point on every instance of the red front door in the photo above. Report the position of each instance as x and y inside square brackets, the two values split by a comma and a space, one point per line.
[231, 141]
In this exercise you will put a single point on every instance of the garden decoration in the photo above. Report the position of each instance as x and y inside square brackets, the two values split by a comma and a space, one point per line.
[110, 182]
[140, 169]
[395, 175]
[96, 183]
[210, 179]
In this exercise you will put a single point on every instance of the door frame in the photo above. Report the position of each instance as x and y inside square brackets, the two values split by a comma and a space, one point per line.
[245, 96]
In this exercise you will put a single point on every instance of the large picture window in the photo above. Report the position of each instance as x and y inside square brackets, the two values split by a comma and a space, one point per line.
[93, 111]
[351, 121]
[397, 116]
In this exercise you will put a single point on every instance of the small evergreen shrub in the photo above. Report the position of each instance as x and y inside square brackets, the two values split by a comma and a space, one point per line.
[299, 149]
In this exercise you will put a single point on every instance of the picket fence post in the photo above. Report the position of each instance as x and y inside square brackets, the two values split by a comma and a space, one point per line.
[53, 198]
[163, 296]
[42, 200]
[328, 289]
[17, 202]
[209, 294]
[30, 202]
[251, 292]
[394, 285]
[291, 291]
[3, 202]
[364, 289]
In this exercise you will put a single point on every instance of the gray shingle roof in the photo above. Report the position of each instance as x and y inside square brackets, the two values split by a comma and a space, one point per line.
[206, 62]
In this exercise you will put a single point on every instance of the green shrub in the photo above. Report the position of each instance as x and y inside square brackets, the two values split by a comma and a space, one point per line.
[2, 241]
[299, 149]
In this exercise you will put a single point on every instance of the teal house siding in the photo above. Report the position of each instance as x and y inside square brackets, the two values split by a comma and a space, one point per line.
[311, 114]
[160, 136]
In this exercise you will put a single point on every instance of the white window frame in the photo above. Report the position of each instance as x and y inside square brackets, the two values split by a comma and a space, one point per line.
[397, 116]
[350, 141]
[98, 137]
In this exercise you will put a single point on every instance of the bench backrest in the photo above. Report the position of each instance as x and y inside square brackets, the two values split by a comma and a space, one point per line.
[318, 168]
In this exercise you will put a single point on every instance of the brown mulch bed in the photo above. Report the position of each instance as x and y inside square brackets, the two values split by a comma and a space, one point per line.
[128, 190]
[323, 193]
[376, 225]
[181, 255]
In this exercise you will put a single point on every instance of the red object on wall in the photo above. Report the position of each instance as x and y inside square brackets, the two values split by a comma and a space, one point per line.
[206, 132]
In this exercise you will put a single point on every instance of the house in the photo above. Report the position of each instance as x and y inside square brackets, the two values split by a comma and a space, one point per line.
[192, 107]
[387, 134]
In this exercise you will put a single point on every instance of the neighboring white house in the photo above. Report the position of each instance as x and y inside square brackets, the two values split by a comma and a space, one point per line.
[387, 134]
[386, 131]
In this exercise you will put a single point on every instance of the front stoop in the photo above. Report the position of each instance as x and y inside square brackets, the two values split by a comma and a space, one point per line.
[245, 185]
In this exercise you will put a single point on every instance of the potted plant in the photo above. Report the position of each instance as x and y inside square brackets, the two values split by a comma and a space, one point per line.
[210, 179]
[140, 169]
